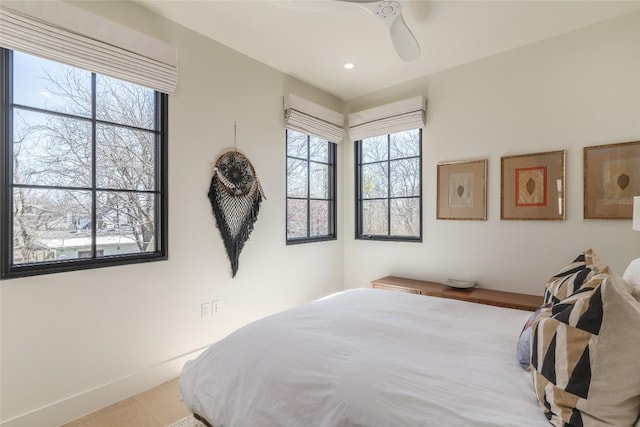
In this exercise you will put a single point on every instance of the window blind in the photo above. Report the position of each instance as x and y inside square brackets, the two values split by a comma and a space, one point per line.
[313, 119]
[389, 118]
[65, 33]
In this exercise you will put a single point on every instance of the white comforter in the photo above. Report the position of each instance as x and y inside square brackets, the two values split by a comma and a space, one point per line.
[368, 358]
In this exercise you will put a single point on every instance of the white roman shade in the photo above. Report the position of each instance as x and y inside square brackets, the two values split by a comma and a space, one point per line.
[390, 118]
[65, 33]
[305, 116]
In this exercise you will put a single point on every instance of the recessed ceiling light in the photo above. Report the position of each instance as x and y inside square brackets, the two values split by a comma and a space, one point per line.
[348, 66]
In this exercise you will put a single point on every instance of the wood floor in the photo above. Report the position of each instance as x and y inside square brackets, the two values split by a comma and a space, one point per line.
[157, 407]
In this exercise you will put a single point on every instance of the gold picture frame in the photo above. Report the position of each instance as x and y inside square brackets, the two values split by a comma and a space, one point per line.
[611, 180]
[533, 186]
[462, 190]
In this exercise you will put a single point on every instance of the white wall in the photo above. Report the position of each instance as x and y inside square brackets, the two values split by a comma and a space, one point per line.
[575, 90]
[74, 342]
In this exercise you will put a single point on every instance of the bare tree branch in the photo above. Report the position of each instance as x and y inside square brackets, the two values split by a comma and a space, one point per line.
[56, 151]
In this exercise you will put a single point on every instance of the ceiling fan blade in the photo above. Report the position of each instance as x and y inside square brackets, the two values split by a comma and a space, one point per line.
[390, 12]
[403, 40]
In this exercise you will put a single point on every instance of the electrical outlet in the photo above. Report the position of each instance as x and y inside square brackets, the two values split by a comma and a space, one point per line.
[205, 310]
[215, 307]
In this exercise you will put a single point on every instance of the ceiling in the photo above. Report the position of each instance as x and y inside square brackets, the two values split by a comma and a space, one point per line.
[311, 40]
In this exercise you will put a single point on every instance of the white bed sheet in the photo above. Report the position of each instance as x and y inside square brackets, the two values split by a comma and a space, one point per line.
[368, 358]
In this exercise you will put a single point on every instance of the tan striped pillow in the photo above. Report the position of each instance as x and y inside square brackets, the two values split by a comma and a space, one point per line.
[573, 276]
[586, 356]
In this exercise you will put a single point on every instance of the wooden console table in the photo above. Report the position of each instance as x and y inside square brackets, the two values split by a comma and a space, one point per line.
[477, 295]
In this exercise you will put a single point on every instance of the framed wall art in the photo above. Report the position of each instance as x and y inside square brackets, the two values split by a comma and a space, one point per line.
[611, 180]
[462, 190]
[533, 186]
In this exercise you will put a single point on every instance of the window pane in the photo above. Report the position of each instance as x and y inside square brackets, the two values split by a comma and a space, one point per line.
[52, 86]
[125, 222]
[125, 159]
[296, 144]
[405, 177]
[375, 217]
[319, 217]
[374, 180]
[124, 103]
[389, 175]
[319, 181]
[51, 150]
[50, 225]
[374, 149]
[296, 219]
[405, 217]
[296, 178]
[309, 195]
[72, 133]
[319, 150]
[405, 144]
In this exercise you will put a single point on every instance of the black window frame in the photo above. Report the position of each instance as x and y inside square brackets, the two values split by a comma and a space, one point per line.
[8, 269]
[332, 164]
[359, 235]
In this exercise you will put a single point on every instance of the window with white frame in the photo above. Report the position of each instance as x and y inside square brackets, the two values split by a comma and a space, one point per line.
[311, 188]
[84, 160]
[389, 187]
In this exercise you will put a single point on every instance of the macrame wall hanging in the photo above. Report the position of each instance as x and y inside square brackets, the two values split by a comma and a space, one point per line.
[235, 194]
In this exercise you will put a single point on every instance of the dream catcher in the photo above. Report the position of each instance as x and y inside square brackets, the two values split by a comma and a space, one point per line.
[235, 194]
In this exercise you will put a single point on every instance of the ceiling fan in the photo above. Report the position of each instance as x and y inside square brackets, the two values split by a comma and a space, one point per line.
[390, 12]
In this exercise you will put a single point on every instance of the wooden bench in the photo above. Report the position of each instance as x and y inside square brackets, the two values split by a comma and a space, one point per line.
[477, 295]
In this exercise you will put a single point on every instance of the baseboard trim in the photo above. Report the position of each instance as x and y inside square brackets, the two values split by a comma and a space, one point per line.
[88, 401]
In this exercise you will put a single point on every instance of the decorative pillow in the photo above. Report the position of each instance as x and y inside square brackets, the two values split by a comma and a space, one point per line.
[573, 276]
[632, 273]
[523, 350]
[584, 361]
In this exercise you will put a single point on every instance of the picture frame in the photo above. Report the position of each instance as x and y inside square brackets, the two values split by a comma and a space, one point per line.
[533, 186]
[611, 180]
[462, 190]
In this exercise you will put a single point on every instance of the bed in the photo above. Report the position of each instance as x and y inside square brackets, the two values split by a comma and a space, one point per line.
[370, 357]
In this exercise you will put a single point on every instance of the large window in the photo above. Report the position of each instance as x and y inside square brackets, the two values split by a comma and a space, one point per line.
[311, 188]
[84, 169]
[389, 187]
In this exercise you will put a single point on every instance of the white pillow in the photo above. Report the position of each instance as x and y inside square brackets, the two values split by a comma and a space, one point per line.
[632, 277]
[632, 273]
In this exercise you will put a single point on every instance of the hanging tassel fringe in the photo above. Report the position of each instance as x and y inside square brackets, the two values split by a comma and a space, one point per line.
[235, 194]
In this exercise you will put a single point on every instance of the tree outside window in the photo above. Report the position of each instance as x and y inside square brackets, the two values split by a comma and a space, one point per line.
[310, 188]
[86, 168]
[389, 187]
